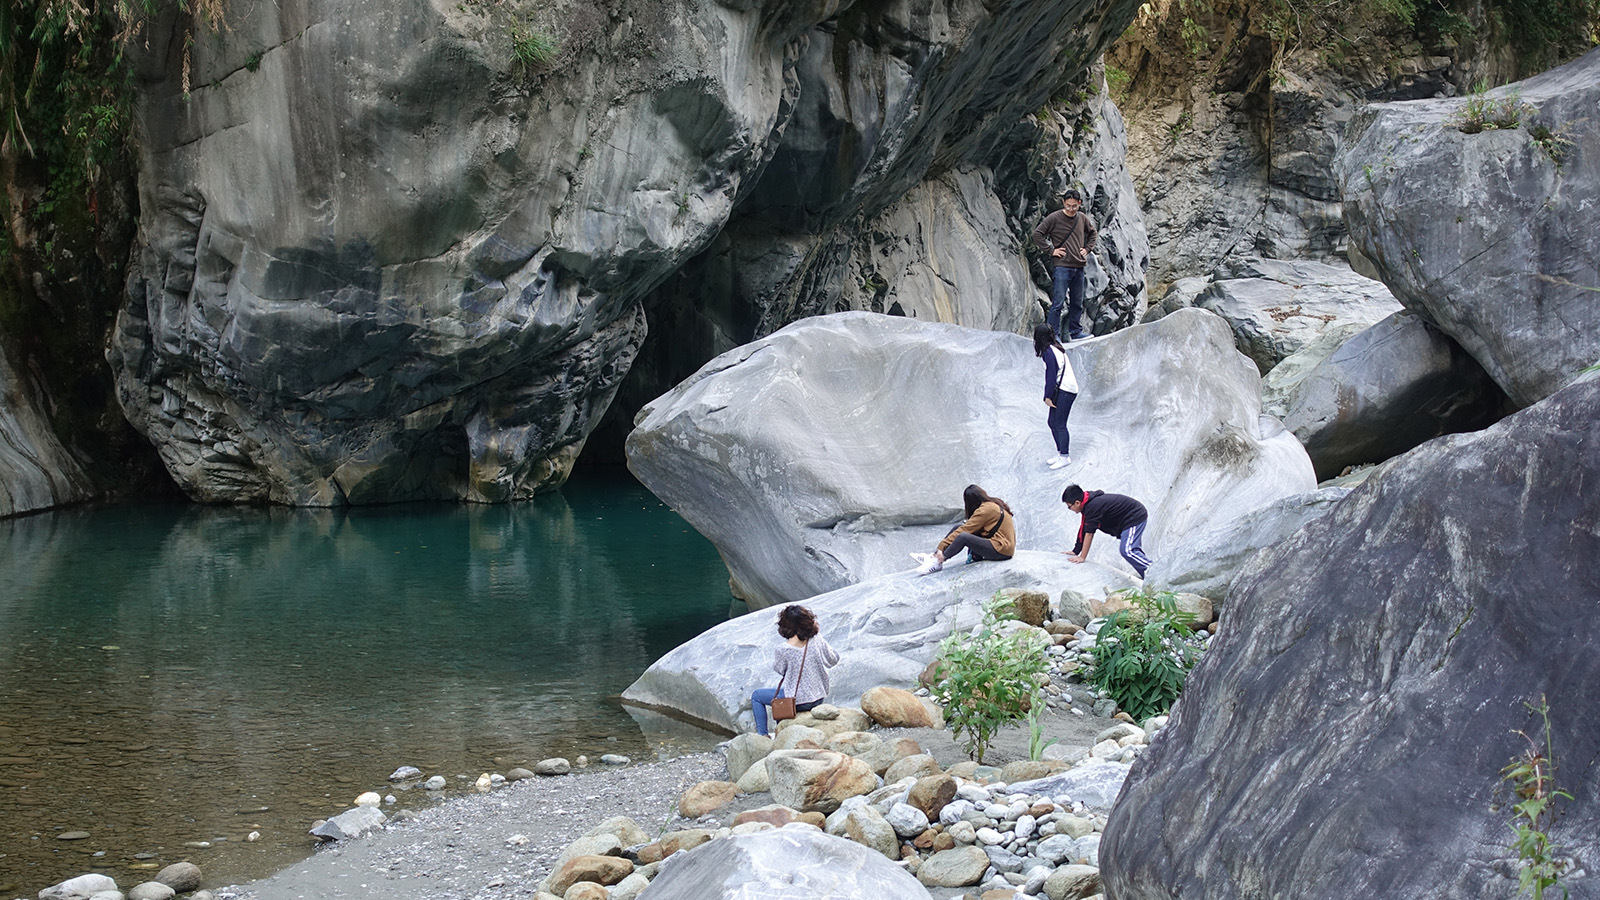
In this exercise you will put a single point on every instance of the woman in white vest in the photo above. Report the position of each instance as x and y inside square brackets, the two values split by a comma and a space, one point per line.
[1060, 390]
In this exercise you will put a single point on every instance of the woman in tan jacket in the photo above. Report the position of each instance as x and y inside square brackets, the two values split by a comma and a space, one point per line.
[989, 533]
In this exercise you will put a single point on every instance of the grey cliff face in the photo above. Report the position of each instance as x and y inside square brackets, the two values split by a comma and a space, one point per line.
[1345, 734]
[1490, 235]
[381, 259]
[36, 471]
[383, 263]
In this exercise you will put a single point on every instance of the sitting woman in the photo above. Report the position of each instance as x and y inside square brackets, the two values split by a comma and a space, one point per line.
[990, 532]
[800, 675]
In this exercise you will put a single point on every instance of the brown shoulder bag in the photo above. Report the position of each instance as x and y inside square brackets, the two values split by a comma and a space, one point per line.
[783, 707]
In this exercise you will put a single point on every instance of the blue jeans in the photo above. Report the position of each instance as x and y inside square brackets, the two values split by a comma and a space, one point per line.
[1131, 551]
[760, 698]
[1058, 421]
[1066, 285]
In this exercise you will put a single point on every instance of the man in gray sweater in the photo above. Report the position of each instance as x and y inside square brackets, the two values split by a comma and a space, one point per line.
[1069, 235]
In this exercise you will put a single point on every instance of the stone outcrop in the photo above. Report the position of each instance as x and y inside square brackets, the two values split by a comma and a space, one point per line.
[1349, 729]
[36, 472]
[793, 863]
[885, 630]
[1386, 390]
[824, 454]
[401, 263]
[1206, 566]
[1275, 306]
[1498, 250]
[1235, 112]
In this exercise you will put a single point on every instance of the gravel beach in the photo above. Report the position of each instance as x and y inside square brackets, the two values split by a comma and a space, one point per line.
[502, 844]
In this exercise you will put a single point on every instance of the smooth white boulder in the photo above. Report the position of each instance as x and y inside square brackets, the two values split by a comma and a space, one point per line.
[790, 863]
[885, 631]
[823, 454]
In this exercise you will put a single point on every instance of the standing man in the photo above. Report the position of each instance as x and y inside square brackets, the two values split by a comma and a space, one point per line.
[1113, 514]
[1069, 235]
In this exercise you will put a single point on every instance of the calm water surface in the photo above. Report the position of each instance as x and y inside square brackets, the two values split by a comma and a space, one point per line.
[172, 675]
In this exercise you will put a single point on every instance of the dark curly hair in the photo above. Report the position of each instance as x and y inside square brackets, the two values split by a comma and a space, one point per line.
[797, 621]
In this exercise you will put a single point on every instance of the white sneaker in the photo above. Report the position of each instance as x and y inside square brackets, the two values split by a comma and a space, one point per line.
[928, 563]
[1058, 461]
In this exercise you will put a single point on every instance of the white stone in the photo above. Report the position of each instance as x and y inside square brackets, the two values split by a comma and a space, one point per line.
[760, 474]
[351, 824]
[990, 836]
[369, 798]
[787, 862]
[906, 820]
[79, 887]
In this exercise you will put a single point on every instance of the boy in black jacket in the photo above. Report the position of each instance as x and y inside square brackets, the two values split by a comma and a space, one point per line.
[1114, 514]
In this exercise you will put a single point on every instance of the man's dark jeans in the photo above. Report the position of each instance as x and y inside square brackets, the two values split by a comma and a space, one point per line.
[1066, 284]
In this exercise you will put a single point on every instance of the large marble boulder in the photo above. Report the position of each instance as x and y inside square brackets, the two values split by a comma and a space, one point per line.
[1276, 306]
[1386, 390]
[1348, 730]
[36, 471]
[824, 454]
[1490, 235]
[790, 863]
[399, 262]
[1207, 566]
[885, 630]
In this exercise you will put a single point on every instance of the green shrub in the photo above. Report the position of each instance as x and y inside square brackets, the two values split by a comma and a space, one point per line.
[1481, 113]
[1532, 776]
[1143, 654]
[988, 680]
[532, 47]
[1117, 80]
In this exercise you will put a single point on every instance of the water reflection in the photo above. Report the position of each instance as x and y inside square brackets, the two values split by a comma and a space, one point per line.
[176, 674]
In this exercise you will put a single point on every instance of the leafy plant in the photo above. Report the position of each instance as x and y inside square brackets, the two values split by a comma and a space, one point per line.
[1178, 128]
[1531, 775]
[1555, 144]
[532, 47]
[989, 679]
[1117, 80]
[1036, 742]
[1482, 113]
[1142, 654]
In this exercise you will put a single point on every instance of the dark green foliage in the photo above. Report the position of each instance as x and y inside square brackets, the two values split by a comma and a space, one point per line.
[1143, 654]
[1548, 32]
